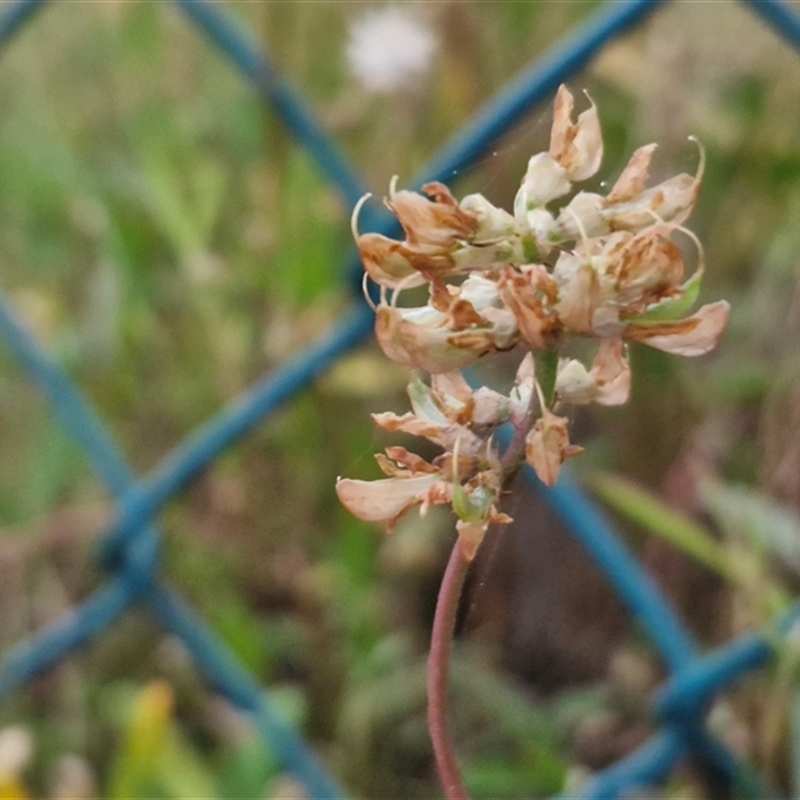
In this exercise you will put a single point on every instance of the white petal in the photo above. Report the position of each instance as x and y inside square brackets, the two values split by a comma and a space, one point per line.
[381, 500]
[493, 222]
[574, 384]
[582, 217]
[544, 181]
[541, 223]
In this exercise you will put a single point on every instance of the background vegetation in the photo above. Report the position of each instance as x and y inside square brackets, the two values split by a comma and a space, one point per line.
[170, 243]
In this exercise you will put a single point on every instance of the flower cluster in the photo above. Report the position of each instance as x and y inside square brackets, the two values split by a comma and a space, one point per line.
[599, 266]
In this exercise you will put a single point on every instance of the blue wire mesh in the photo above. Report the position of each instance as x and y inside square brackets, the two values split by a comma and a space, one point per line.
[130, 545]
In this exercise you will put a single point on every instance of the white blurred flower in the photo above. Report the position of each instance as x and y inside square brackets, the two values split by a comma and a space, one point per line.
[16, 751]
[389, 47]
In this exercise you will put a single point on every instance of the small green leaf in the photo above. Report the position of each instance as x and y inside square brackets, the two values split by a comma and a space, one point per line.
[546, 364]
[674, 308]
[473, 507]
[530, 249]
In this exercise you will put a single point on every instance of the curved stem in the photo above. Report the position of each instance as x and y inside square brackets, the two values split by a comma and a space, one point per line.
[444, 623]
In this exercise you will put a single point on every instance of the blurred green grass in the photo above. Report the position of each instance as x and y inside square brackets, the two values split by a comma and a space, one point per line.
[170, 243]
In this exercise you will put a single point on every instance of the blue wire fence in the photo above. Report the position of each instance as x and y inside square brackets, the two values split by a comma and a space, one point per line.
[130, 545]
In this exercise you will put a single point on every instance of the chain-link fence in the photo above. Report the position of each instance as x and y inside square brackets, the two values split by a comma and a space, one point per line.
[130, 547]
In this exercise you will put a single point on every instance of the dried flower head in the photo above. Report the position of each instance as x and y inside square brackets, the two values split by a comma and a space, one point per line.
[602, 267]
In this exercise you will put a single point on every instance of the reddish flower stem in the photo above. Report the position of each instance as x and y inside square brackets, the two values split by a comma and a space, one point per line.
[444, 624]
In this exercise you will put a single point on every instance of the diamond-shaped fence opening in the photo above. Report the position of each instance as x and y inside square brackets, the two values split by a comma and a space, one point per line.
[131, 542]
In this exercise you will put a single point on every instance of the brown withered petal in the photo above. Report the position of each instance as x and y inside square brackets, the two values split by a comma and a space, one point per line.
[442, 195]
[388, 467]
[648, 268]
[547, 447]
[387, 261]
[562, 133]
[523, 391]
[440, 222]
[463, 315]
[578, 300]
[545, 462]
[588, 145]
[673, 201]
[633, 178]
[386, 322]
[428, 347]
[430, 260]
[444, 435]
[578, 147]
[693, 336]
[474, 341]
[612, 373]
[467, 466]
[470, 536]
[384, 500]
[452, 384]
[440, 493]
[409, 423]
[409, 461]
[440, 294]
[542, 456]
[523, 292]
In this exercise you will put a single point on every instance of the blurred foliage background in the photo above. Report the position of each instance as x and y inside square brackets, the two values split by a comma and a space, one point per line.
[170, 243]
